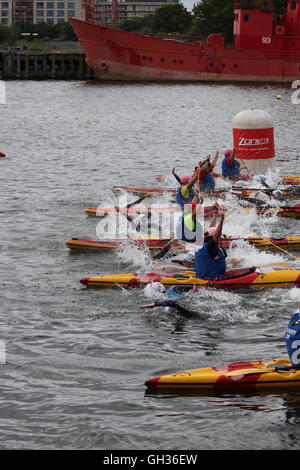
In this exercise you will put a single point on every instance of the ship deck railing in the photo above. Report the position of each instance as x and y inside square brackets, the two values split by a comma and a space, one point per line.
[178, 37]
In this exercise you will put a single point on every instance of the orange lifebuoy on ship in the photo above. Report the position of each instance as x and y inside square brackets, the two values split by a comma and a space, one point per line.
[280, 30]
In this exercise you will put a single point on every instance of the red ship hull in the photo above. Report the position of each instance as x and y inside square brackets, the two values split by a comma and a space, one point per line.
[119, 55]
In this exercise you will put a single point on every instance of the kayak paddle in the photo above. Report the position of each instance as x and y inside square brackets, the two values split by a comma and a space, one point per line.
[164, 250]
[236, 373]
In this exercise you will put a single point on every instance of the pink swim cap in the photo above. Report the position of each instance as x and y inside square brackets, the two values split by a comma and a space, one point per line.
[185, 179]
[211, 231]
[227, 153]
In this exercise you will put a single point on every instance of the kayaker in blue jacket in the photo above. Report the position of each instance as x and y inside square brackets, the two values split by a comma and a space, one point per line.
[186, 194]
[230, 166]
[189, 227]
[210, 263]
[205, 178]
[292, 339]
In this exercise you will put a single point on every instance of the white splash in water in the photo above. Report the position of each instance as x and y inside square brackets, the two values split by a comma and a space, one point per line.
[138, 256]
[155, 290]
[220, 306]
[251, 256]
[294, 294]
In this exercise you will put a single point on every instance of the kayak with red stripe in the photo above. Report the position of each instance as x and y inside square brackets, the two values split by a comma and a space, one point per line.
[247, 278]
[239, 376]
[208, 211]
[86, 244]
[235, 191]
[286, 180]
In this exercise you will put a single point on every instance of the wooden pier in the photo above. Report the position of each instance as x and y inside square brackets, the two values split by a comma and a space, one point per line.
[35, 65]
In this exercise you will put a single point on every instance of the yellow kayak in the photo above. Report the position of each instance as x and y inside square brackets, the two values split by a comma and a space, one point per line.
[248, 278]
[155, 244]
[272, 374]
[290, 179]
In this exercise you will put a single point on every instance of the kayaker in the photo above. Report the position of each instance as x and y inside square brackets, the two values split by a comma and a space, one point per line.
[178, 179]
[173, 305]
[205, 178]
[292, 339]
[176, 307]
[185, 194]
[210, 261]
[189, 258]
[181, 305]
[230, 166]
[189, 227]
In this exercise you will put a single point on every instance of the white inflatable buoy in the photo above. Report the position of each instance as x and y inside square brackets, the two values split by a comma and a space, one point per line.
[253, 139]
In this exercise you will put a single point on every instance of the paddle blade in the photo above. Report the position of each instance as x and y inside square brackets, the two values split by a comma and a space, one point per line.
[237, 373]
[164, 250]
[279, 265]
[167, 269]
[282, 368]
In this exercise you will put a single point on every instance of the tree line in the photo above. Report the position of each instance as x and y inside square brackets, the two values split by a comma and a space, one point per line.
[11, 34]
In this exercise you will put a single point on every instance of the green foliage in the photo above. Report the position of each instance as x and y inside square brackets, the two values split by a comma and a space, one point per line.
[172, 18]
[279, 7]
[213, 16]
[11, 34]
[3, 32]
[134, 24]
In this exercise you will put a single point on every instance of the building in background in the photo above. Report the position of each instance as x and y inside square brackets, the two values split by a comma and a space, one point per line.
[56, 11]
[6, 12]
[39, 11]
[128, 9]
[43, 11]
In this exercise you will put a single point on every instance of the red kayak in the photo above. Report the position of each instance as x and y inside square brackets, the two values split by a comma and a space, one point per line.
[208, 211]
[88, 244]
[286, 180]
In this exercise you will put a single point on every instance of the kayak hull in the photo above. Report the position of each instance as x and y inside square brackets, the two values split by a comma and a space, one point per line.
[76, 244]
[85, 244]
[291, 180]
[235, 279]
[229, 378]
[236, 191]
[287, 180]
[132, 211]
[209, 211]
